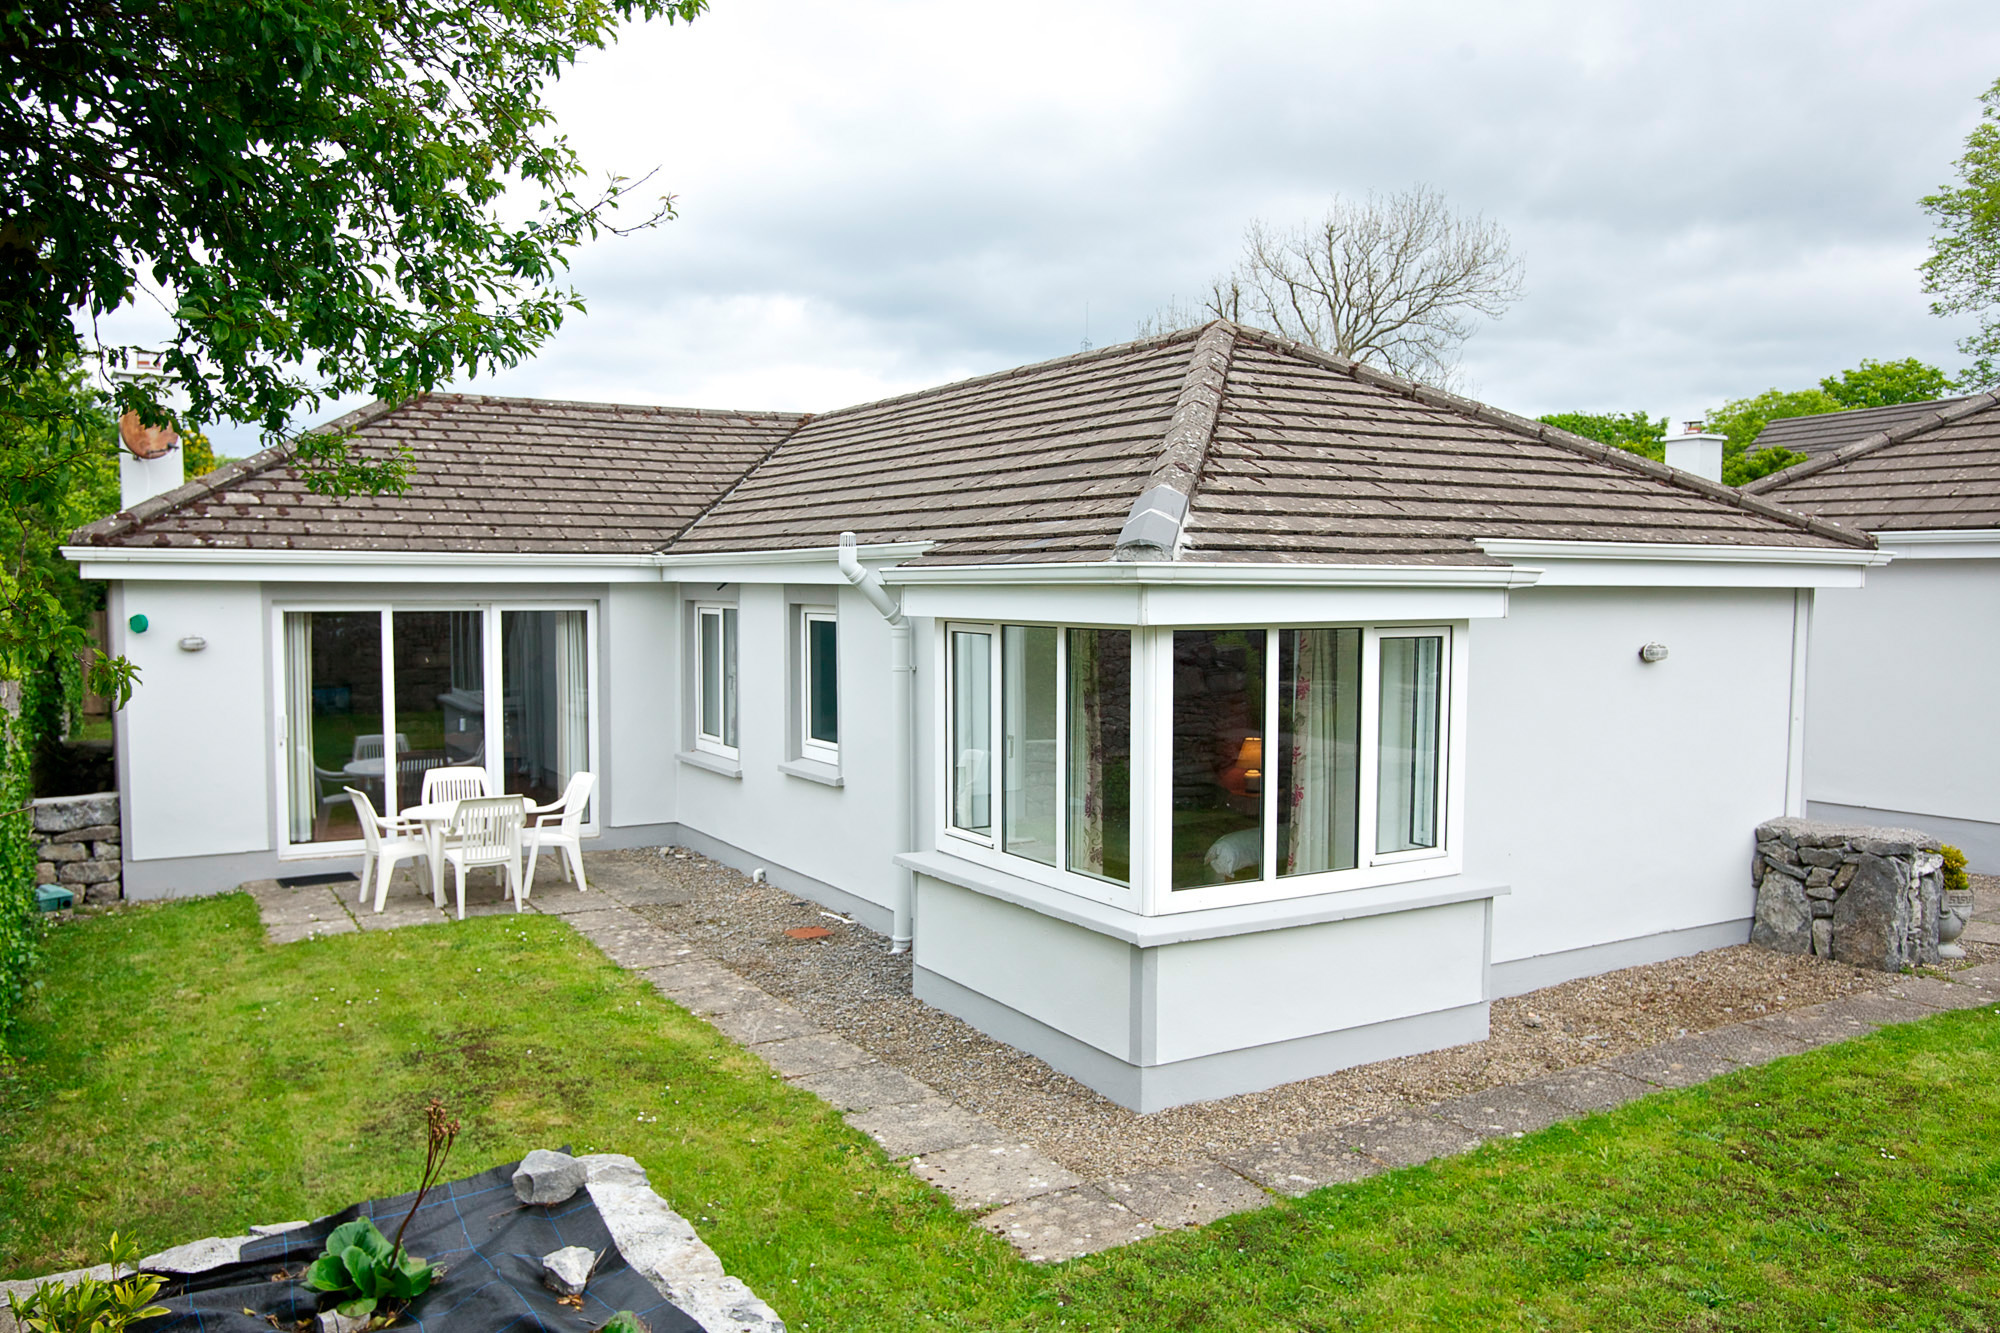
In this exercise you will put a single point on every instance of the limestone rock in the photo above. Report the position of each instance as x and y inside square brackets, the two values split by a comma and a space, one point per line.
[197, 1256]
[89, 833]
[63, 851]
[546, 1177]
[1784, 922]
[61, 814]
[333, 1321]
[1822, 936]
[1875, 920]
[87, 872]
[567, 1271]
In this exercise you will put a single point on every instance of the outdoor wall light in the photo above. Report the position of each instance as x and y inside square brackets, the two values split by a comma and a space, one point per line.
[1653, 652]
[193, 643]
[138, 624]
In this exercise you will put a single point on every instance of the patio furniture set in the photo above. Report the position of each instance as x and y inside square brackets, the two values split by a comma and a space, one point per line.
[460, 823]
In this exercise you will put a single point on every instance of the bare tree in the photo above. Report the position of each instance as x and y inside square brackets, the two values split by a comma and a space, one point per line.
[1396, 281]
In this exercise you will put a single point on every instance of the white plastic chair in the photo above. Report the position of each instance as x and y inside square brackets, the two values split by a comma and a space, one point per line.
[486, 831]
[453, 784]
[560, 825]
[369, 746]
[387, 843]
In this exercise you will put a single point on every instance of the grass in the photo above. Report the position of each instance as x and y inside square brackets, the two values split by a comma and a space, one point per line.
[179, 1077]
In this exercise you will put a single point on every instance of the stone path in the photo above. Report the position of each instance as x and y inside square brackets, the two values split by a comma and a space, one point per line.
[1045, 1210]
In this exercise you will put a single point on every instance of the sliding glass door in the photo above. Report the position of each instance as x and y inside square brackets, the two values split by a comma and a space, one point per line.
[375, 698]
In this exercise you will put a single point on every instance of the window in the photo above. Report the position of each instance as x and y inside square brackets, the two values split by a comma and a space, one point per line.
[375, 698]
[819, 683]
[715, 679]
[1201, 767]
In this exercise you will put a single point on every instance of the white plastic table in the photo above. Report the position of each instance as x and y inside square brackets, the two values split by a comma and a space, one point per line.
[435, 816]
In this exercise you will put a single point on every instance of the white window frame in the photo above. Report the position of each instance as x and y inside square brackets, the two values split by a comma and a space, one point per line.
[1152, 788]
[714, 743]
[811, 747]
[988, 850]
[495, 700]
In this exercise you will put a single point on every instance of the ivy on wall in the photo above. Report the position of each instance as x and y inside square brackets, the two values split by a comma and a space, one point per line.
[20, 922]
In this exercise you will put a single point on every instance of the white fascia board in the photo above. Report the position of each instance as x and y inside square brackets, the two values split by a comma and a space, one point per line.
[812, 564]
[246, 565]
[1172, 593]
[1959, 544]
[1686, 564]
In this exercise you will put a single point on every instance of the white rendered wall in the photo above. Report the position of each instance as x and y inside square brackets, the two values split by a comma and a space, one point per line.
[841, 836]
[638, 710]
[1902, 713]
[194, 745]
[1617, 798]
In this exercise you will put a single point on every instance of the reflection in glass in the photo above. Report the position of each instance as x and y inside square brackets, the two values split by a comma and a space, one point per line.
[1407, 772]
[1100, 753]
[333, 711]
[1319, 749]
[823, 680]
[440, 679]
[718, 674]
[1218, 764]
[972, 731]
[545, 702]
[1028, 744]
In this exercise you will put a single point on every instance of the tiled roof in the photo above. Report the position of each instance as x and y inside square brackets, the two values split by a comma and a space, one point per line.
[1822, 434]
[1212, 444]
[1937, 471]
[491, 474]
[1277, 453]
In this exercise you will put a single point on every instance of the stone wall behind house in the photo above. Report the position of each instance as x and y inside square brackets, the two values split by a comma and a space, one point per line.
[1857, 894]
[79, 848]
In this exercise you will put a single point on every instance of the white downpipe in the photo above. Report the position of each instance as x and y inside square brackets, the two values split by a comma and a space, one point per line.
[902, 677]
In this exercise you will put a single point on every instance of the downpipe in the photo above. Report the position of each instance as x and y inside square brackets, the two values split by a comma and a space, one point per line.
[902, 678]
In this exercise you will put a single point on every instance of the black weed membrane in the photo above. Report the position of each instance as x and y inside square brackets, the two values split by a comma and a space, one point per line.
[489, 1243]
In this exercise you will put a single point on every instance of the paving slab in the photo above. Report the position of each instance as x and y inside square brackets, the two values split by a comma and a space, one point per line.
[721, 994]
[397, 912]
[1303, 1163]
[754, 1026]
[797, 1057]
[1590, 1088]
[1676, 1064]
[293, 914]
[1066, 1225]
[1883, 1009]
[1502, 1112]
[928, 1126]
[563, 899]
[980, 1176]
[1407, 1138]
[1748, 1045]
[1986, 974]
[1818, 1024]
[861, 1087]
[1934, 993]
[1189, 1197]
[1982, 932]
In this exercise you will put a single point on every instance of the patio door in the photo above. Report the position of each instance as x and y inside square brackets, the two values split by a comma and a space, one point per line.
[374, 699]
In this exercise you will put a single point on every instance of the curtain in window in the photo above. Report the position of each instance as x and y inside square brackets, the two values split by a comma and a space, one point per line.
[1319, 707]
[572, 696]
[1099, 760]
[1406, 801]
[972, 730]
[304, 806]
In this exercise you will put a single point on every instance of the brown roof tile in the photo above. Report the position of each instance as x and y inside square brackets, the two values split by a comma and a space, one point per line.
[1828, 431]
[1937, 471]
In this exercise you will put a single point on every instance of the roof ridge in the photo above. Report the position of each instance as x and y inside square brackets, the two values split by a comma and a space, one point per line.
[218, 479]
[662, 408]
[1158, 518]
[805, 419]
[1956, 410]
[1547, 434]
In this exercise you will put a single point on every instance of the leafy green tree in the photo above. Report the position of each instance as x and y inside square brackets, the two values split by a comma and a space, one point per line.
[1634, 432]
[1882, 383]
[1963, 269]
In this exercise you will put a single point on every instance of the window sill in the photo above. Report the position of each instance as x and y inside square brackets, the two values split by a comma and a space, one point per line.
[812, 770]
[1209, 923]
[714, 763]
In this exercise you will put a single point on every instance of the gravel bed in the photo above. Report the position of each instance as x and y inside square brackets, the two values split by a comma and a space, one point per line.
[849, 982]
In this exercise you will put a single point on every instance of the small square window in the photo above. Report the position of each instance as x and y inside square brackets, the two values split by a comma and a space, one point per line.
[715, 679]
[819, 687]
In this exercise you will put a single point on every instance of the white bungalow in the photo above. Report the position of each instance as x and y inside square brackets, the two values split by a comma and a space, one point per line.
[1206, 712]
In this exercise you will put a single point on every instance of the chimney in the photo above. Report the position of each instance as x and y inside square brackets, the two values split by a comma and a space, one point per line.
[150, 462]
[1696, 451]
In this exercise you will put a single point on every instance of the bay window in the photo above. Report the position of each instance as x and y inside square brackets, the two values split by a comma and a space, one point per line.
[1198, 767]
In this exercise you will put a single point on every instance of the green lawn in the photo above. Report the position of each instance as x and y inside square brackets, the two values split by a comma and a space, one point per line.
[178, 1077]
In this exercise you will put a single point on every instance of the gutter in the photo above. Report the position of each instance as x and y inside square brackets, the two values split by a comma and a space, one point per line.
[902, 679]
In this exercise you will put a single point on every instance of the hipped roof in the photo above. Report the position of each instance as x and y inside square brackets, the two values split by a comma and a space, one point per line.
[1258, 449]
[1936, 470]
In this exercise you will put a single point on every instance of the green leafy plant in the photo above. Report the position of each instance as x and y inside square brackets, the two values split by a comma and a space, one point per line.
[624, 1322]
[360, 1265]
[1955, 880]
[92, 1305]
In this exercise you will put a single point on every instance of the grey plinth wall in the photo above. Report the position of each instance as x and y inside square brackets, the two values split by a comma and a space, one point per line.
[1856, 894]
[79, 845]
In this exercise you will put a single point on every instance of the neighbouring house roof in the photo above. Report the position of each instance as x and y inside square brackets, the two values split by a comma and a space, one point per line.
[491, 474]
[1822, 434]
[1213, 444]
[1936, 471]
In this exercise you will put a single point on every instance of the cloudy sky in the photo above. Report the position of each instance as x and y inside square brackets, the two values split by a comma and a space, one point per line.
[874, 196]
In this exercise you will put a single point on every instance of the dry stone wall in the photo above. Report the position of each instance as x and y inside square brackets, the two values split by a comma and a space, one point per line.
[79, 846]
[1860, 895]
